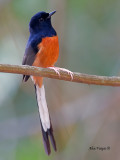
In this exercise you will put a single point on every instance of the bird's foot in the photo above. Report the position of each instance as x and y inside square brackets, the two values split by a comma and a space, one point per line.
[68, 71]
[57, 69]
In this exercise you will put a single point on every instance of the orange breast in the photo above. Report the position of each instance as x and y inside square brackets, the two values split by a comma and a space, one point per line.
[48, 52]
[46, 56]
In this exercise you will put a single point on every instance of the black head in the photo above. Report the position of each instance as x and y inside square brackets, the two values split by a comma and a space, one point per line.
[40, 21]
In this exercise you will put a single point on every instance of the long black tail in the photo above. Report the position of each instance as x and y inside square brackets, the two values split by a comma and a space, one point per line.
[46, 126]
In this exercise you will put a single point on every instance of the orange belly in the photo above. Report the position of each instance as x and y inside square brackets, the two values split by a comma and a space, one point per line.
[47, 55]
[48, 52]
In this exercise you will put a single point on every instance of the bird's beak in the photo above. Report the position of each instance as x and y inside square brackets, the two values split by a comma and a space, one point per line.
[51, 13]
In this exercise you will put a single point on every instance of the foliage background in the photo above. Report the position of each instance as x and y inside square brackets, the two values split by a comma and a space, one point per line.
[83, 115]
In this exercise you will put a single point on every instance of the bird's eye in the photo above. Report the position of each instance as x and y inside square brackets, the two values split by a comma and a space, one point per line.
[41, 19]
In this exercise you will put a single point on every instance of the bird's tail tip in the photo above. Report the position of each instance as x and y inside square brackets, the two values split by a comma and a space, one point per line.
[47, 137]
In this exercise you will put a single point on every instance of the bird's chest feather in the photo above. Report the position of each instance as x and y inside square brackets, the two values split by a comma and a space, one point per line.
[48, 52]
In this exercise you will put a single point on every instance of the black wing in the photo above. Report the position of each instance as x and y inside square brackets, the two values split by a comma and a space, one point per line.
[28, 59]
[30, 52]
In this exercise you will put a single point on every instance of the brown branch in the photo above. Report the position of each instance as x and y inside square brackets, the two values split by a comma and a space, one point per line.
[50, 73]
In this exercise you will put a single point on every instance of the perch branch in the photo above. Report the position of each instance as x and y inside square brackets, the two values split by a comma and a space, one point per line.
[50, 73]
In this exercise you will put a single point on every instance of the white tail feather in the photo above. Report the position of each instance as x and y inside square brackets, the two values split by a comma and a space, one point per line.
[43, 110]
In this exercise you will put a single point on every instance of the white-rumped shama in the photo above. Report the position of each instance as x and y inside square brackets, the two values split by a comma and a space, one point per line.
[42, 50]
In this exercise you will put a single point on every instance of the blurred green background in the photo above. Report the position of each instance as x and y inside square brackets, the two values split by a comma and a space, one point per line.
[82, 115]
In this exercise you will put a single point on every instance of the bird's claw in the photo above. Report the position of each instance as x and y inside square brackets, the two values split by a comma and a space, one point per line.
[56, 69]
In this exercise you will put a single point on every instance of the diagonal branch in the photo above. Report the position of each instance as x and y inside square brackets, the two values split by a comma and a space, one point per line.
[50, 73]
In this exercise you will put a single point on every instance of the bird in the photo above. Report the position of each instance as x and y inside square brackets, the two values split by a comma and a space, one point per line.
[42, 50]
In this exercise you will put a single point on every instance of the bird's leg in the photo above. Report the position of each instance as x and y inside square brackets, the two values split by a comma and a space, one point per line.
[57, 69]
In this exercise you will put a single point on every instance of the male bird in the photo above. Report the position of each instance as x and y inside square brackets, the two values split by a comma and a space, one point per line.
[42, 50]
